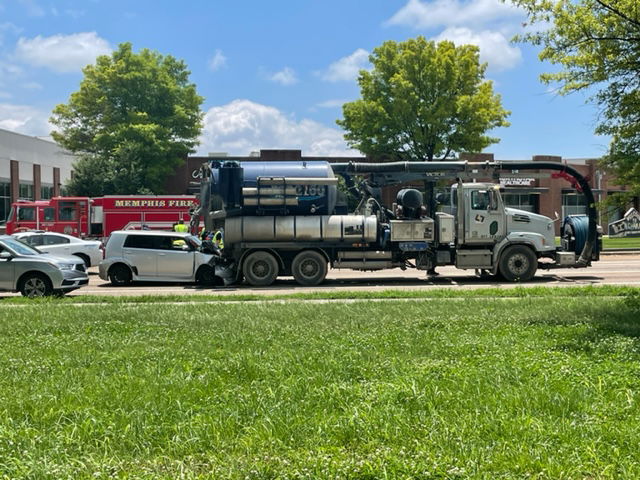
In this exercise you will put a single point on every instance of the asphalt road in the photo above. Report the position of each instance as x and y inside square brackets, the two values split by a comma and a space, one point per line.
[611, 270]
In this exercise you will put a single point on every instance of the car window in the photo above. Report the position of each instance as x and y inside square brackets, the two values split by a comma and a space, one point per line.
[54, 240]
[20, 247]
[33, 240]
[49, 214]
[67, 211]
[27, 213]
[142, 241]
[479, 200]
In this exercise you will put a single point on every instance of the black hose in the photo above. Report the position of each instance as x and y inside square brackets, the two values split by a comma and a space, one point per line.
[592, 234]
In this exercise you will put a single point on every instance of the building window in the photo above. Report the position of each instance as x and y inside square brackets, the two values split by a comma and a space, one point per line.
[573, 204]
[26, 191]
[46, 192]
[5, 200]
[522, 201]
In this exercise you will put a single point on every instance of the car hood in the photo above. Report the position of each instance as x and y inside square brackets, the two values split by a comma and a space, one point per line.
[47, 257]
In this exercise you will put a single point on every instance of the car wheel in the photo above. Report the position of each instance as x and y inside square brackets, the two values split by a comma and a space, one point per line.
[207, 276]
[518, 264]
[260, 269]
[85, 259]
[309, 268]
[35, 285]
[120, 275]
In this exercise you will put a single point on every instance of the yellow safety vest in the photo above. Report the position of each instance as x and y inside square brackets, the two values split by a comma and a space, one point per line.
[181, 227]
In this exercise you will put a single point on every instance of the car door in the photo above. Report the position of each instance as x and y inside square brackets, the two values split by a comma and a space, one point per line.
[141, 251]
[175, 260]
[485, 221]
[7, 271]
[55, 244]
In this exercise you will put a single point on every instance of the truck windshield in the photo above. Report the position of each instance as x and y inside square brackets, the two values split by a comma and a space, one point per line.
[19, 247]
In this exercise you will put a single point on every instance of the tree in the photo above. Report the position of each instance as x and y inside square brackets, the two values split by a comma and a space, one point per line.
[423, 100]
[132, 122]
[597, 45]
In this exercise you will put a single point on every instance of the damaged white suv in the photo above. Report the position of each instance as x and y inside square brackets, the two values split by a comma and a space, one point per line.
[153, 256]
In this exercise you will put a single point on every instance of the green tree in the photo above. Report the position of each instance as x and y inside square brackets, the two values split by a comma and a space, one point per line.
[423, 100]
[132, 122]
[597, 45]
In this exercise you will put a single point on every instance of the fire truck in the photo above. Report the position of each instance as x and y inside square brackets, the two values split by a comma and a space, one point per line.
[86, 217]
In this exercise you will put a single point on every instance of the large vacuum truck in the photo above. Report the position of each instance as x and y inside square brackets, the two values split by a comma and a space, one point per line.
[286, 219]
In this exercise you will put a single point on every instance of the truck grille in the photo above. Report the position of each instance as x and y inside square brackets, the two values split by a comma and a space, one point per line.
[518, 217]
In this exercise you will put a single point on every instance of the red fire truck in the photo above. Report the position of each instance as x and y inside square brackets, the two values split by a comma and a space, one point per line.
[98, 217]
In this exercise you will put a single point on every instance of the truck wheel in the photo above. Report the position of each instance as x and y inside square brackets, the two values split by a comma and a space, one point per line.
[309, 268]
[35, 285]
[120, 275]
[260, 269]
[518, 264]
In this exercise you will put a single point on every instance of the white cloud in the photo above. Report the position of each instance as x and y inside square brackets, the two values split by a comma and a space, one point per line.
[24, 119]
[347, 68]
[424, 15]
[286, 76]
[218, 61]
[495, 48]
[62, 53]
[243, 126]
[334, 103]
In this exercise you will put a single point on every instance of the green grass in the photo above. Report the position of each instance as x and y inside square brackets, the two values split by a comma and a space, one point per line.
[222, 296]
[620, 242]
[465, 386]
[614, 242]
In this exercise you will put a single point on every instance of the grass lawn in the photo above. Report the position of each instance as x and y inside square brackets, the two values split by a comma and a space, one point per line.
[467, 386]
[615, 242]
[620, 242]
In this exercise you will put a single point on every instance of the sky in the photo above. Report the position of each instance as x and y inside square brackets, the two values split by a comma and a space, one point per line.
[275, 74]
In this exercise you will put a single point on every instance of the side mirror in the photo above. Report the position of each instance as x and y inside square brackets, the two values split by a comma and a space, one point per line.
[5, 256]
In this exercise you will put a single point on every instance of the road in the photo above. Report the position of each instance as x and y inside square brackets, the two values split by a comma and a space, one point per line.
[611, 270]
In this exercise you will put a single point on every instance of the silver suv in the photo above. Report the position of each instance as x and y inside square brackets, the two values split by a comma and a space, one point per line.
[35, 274]
[145, 255]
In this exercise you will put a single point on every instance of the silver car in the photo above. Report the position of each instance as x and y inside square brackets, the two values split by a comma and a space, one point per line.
[153, 256]
[34, 274]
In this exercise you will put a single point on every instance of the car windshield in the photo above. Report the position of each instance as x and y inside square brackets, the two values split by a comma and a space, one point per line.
[194, 241]
[20, 247]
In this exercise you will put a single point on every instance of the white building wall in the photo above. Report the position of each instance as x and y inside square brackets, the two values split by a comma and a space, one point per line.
[31, 150]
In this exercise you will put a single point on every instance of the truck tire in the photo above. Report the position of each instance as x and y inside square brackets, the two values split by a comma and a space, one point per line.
[309, 268]
[119, 275]
[34, 285]
[518, 264]
[260, 269]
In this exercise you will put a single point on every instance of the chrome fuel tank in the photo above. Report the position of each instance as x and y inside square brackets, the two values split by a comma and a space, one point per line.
[316, 228]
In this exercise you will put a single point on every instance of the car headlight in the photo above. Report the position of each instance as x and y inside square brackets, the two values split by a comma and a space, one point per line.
[66, 266]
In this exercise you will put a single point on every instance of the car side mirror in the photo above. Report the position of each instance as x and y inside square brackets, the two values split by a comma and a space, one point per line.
[5, 256]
